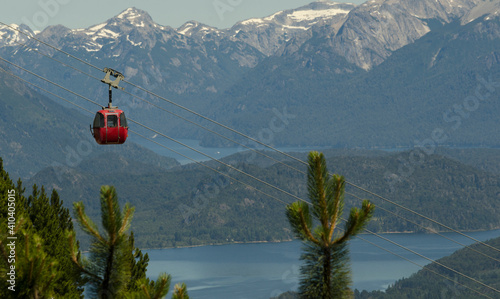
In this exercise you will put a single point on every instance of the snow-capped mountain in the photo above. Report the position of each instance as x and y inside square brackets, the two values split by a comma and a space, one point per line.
[271, 33]
[9, 36]
[192, 58]
[365, 35]
[132, 26]
[265, 62]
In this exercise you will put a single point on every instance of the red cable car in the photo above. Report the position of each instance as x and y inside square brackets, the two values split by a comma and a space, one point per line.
[110, 125]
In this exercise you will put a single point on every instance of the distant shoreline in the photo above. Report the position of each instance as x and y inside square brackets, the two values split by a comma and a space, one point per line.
[291, 240]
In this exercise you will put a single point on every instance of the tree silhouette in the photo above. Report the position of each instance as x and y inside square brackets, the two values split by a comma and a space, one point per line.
[326, 272]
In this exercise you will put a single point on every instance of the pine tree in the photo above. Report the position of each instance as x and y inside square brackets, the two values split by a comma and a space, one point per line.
[116, 268]
[42, 255]
[107, 269]
[52, 222]
[139, 285]
[326, 272]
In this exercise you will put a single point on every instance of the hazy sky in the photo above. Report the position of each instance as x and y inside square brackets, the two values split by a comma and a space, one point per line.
[84, 13]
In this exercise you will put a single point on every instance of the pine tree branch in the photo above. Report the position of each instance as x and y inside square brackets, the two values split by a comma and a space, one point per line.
[107, 196]
[306, 229]
[74, 258]
[338, 185]
[85, 222]
[127, 219]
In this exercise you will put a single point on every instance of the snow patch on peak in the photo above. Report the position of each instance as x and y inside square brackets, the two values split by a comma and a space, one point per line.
[129, 13]
[135, 17]
[252, 21]
[271, 17]
[488, 9]
[187, 28]
[96, 28]
[132, 42]
[193, 28]
[9, 36]
[309, 15]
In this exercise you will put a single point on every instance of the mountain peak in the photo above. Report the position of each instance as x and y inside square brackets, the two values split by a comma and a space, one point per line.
[131, 13]
[134, 16]
[9, 36]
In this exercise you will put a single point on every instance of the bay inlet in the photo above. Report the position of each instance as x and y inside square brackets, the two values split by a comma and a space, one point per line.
[264, 270]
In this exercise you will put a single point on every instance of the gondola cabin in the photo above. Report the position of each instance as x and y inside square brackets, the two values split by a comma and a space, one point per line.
[110, 126]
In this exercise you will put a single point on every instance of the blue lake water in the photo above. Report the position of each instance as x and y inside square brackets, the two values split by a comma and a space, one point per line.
[268, 269]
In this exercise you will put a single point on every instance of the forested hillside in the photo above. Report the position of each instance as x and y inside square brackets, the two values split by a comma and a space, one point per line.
[425, 284]
[192, 205]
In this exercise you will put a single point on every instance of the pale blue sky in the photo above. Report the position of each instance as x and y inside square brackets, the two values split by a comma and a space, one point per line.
[84, 13]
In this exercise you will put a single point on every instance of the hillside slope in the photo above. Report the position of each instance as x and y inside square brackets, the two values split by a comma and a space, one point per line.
[191, 205]
[36, 132]
[447, 80]
[425, 284]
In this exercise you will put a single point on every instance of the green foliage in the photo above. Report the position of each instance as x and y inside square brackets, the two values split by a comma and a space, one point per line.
[52, 222]
[325, 273]
[39, 271]
[116, 268]
[36, 274]
[139, 285]
[42, 262]
[156, 289]
[180, 291]
[49, 266]
[107, 270]
[139, 263]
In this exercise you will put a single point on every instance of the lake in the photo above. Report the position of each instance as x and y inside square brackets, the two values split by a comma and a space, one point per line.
[215, 152]
[264, 270]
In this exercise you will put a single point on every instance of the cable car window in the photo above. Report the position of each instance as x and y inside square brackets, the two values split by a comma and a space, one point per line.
[123, 120]
[99, 120]
[112, 121]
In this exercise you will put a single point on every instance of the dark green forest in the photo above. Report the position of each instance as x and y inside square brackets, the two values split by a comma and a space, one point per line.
[192, 205]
